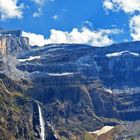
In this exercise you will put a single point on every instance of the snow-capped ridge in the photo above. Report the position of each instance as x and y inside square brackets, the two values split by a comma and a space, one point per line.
[116, 54]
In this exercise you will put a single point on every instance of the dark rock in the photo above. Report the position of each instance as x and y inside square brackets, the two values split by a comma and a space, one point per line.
[10, 32]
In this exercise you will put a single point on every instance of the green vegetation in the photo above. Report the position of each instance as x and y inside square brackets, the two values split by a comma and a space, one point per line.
[132, 139]
[88, 136]
[12, 113]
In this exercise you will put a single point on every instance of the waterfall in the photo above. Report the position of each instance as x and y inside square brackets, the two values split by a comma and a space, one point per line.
[42, 125]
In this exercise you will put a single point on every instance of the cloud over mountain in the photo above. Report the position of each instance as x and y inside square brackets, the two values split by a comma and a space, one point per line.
[100, 37]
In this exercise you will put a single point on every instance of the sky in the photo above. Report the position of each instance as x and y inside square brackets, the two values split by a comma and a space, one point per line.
[93, 22]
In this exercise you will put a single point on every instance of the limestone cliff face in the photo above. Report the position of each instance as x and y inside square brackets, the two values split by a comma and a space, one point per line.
[10, 44]
[80, 88]
[84, 83]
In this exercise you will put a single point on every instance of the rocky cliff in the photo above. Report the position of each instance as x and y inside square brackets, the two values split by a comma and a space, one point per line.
[10, 32]
[80, 89]
[10, 44]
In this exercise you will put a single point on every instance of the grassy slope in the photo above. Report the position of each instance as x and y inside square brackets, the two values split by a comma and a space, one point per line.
[12, 116]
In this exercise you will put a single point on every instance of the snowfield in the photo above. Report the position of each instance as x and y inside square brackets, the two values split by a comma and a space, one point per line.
[115, 54]
[29, 59]
[60, 74]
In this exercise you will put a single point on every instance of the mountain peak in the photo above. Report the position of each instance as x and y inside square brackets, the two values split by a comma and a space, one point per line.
[10, 32]
[11, 44]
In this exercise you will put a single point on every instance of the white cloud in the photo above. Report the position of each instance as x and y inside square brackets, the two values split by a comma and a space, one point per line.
[83, 36]
[108, 5]
[87, 24]
[128, 6]
[39, 2]
[55, 17]
[35, 39]
[134, 25]
[9, 9]
[38, 13]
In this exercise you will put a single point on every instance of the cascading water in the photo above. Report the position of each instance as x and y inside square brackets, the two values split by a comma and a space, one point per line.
[42, 125]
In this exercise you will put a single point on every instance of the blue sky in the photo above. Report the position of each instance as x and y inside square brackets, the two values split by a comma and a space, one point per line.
[94, 22]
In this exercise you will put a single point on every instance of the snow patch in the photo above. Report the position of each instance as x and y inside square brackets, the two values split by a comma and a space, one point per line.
[60, 74]
[115, 54]
[104, 130]
[108, 90]
[29, 59]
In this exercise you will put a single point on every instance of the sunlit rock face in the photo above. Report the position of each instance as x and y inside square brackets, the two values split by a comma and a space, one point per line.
[80, 88]
[11, 44]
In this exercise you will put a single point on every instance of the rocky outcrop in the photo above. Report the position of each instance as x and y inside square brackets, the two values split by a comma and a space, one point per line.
[11, 44]
[14, 111]
[10, 32]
